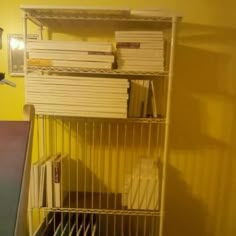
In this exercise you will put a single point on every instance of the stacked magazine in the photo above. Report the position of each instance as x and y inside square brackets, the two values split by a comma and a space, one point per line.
[80, 54]
[140, 50]
[78, 96]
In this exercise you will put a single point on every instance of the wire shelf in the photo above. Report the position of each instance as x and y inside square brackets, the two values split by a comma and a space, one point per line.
[99, 18]
[110, 120]
[77, 13]
[105, 211]
[96, 71]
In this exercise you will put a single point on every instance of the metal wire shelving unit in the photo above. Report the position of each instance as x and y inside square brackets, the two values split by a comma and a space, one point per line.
[104, 152]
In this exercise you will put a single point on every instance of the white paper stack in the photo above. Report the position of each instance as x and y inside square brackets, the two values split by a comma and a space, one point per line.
[141, 188]
[138, 100]
[78, 96]
[140, 50]
[78, 54]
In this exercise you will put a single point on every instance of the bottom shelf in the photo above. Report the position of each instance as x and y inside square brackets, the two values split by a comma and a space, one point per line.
[100, 203]
[61, 223]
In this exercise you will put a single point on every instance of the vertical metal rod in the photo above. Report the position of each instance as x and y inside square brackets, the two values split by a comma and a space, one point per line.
[84, 223]
[162, 210]
[38, 160]
[152, 226]
[50, 136]
[69, 175]
[117, 174]
[148, 156]
[145, 226]
[132, 165]
[92, 165]
[100, 174]
[77, 167]
[63, 152]
[40, 32]
[92, 170]
[130, 231]
[137, 224]
[139, 167]
[108, 175]
[51, 151]
[124, 174]
[85, 163]
[109, 164]
[107, 232]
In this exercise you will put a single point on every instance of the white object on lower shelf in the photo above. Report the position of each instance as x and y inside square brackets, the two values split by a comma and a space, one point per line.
[141, 190]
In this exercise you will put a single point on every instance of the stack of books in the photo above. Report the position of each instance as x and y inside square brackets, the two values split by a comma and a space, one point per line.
[49, 181]
[138, 99]
[78, 96]
[140, 50]
[78, 54]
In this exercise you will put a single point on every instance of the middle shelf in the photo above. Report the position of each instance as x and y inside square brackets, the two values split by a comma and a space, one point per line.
[98, 166]
[99, 203]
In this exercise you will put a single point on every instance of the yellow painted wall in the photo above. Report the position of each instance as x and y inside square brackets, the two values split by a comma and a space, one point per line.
[201, 185]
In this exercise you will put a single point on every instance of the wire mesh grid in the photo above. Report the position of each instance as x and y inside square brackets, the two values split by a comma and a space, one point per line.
[105, 170]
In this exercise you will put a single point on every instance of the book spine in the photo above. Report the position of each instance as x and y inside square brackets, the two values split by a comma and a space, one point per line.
[128, 45]
[57, 173]
[57, 184]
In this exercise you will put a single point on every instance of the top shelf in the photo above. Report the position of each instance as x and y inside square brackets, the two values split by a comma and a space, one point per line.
[45, 15]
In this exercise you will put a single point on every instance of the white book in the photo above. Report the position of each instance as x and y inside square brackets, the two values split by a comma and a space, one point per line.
[150, 13]
[86, 80]
[61, 173]
[147, 33]
[31, 192]
[158, 41]
[146, 84]
[62, 88]
[49, 185]
[71, 56]
[47, 110]
[140, 63]
[49, 180]
[37, 181]
[142, 68]
[67, 81]
[42, 187]
[139, 52]
[159, 58]
[82, 108]
[93, 103]
[69, 45]
[65, 63]
[137, 45]
[153, 100]
[36, 178]
[116, 98]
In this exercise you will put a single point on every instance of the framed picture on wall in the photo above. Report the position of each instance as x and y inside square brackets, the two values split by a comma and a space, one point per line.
[16, 47]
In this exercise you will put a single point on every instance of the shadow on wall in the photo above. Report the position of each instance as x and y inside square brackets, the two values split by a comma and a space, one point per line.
[202, 122]
[183, 208]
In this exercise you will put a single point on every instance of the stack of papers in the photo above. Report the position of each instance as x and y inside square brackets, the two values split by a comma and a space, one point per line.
[78, 96]
[140, 50]
[80, 54]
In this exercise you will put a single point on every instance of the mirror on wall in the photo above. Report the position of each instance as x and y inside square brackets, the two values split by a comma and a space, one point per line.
[1, 30]
[16, 48]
